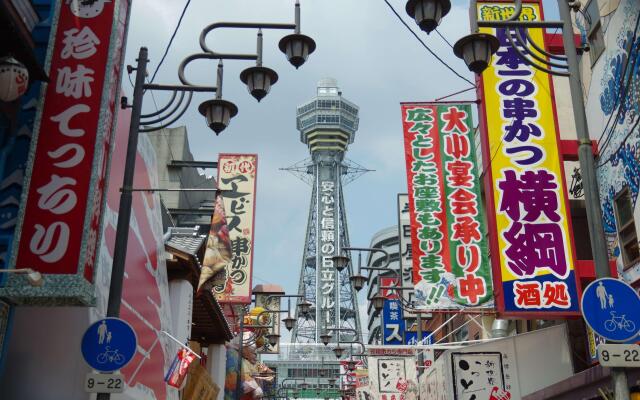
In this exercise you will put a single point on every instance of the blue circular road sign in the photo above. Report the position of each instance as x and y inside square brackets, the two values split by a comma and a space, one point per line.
[612, 309]
[109, 344]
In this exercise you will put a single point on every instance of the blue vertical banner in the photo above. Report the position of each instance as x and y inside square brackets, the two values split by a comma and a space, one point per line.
[393, 323]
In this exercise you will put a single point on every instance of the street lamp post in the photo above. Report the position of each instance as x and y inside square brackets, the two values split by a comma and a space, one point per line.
[476, 50]
[217, 112]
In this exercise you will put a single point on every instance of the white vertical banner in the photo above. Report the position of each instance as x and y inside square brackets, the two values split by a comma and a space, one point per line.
[237, 177]
[406, 261]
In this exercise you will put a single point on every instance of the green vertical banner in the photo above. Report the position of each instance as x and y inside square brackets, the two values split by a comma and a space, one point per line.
[451, 267]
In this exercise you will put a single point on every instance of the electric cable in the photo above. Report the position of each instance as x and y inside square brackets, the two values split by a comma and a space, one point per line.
[444, 38]
[425, 45]
[633, 128]
[166, 50]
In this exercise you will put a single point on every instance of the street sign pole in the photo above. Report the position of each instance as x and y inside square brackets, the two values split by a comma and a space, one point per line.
[611, 308]
[124, 212]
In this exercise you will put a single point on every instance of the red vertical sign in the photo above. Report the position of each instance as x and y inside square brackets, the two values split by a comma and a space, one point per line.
[60, 223]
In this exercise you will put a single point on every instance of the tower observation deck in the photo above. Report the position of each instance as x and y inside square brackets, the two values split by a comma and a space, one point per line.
[327, 125]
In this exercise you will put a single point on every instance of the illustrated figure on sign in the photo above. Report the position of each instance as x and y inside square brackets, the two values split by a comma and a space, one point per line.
[102, 332]
[108, 337]
[610, 301]
[601, 292]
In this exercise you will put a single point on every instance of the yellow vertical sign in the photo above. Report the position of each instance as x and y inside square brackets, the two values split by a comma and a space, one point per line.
[529, 226]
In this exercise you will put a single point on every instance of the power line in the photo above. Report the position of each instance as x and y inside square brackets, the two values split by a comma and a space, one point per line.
[427, 47]
[444, 38]
[166, 50]
[610, 159]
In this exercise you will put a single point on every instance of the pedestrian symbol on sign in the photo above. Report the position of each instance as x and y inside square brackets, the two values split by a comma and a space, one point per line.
[612, 309]
[109, 344]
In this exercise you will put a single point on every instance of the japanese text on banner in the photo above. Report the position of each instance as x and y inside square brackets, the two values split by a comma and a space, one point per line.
[450, 260]
[533, 236]
[237, 177]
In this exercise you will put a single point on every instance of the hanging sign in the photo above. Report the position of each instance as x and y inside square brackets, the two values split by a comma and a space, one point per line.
[59, 223]
[532, 250]
[450, 260]
[237, 177]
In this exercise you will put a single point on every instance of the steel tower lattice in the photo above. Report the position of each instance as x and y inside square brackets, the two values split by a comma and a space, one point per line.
[327, 125]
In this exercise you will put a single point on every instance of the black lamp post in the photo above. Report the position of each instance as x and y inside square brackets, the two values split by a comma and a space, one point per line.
[378, 302]
[428, 13]
[305, 307]
[289, 323]
[358, 281]
[325, 338]
[476, 50]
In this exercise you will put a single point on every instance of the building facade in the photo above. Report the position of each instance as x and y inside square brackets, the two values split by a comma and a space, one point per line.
[177, 170]
[386, 239]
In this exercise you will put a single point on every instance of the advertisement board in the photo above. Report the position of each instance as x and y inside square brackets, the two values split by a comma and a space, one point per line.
[272, 319]
[450, 259]
[393, 328]
[532, 250]
[392, 373]
[237, 178]
[58, 228]
[509, 368]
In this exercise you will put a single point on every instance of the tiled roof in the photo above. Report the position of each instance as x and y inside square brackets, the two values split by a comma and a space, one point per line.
[184, 240]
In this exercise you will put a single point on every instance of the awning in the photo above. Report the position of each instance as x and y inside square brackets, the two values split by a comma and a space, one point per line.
[209, 325]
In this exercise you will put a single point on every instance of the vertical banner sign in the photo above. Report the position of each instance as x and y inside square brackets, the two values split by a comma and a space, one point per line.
[533, 256]
[393, 324]
[450, 260]
[327, 229]
[404, 233]
[237, 178]
[59, 223]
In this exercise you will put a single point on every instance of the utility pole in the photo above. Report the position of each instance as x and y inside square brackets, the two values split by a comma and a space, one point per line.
[591, 194]
[124, 210]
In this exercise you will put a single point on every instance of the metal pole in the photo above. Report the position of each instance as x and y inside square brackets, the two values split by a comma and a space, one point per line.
[591, 195]
[124, 210]
[219, 73]
[585, 154]
[419, 327]
[297, 17]
[238, 393]
[259, 49]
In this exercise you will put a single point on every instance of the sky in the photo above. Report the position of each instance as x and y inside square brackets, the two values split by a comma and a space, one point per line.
[377, 62]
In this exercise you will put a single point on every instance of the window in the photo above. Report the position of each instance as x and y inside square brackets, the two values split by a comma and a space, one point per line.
[627, 236]
[594, 33]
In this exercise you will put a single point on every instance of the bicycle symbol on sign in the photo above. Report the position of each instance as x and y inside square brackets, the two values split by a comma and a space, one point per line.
[619, 322]
[111, 356]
